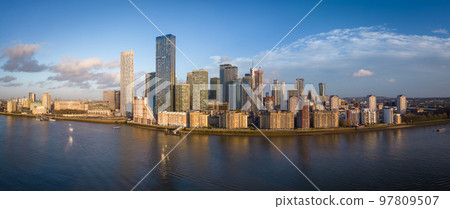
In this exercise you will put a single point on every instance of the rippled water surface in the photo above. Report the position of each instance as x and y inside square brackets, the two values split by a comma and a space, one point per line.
[38, 155]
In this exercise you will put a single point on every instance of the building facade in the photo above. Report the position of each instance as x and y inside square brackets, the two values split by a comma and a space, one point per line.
[173, 119]
[277, 120]
[200, 89]
[233, 120]
[165, 73]
[182, 97]
[388, 115]
[198, 119]
[325, 119]
[401, 104]
[369, 116]
[126, 82]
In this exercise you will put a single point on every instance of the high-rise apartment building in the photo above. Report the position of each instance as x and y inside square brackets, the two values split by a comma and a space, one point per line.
[200, 89]
[150, 85]
[182, 97]
[300, 84]
[32, 96]
[276, 90]
[228, 74]
[372, 102]
[321, 89]
[47, 101]
[214, 90]
[388, 115]
[325, 119]
[126, 82]
[258, 88]
[369, 116]
[334, 102]
[277, 120]
[401, 104]
[165, 72]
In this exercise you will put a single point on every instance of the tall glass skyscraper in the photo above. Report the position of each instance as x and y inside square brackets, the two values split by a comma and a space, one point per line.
[126, 82]
[165, 73]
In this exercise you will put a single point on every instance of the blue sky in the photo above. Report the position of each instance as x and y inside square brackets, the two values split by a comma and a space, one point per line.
[72, 48]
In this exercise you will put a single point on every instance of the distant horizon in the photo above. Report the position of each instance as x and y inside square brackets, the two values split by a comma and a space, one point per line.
[356, 48]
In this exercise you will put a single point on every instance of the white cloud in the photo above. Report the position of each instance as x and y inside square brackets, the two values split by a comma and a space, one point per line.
[441, 31]
[20, 50]
[362, 73]
[392, 80]
[20, 58]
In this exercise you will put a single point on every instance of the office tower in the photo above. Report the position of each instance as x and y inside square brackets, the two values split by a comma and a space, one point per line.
[283, 97]
[228, 74]
[235, 90]
[182, 97]
[200, 89]
[401, 104]
[276, 90]
[32, 97]
[388, 115]
[214, 92]
[150, 85]
[222, 80]
[165, 72]
[321, 89]
[372, 101]
[257, 87]
[246, 91]
[190, 82]
[300, 84]
[112, 97]
[126, 82]
[46, 101]
[334, 102]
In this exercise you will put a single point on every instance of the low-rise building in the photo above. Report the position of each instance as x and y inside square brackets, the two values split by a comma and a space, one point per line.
[233, 120]
[277, 120]
[198, 119]
[397, 118]
[325, 119]
[173, 119]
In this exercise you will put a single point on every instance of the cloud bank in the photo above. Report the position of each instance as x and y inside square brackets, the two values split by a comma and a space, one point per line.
[20, 58]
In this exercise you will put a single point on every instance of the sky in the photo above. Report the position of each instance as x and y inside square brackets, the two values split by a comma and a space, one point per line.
[71, 49]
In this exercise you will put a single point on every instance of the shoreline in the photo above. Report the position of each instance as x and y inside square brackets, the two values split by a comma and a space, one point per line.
[249, 132]
[89, 120]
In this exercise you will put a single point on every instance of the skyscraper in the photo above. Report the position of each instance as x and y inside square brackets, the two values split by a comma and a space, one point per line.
[372, 101]
[32, 96]
[190, 82]
[228, 74]
[165, 72]
[257, 87]
[150, 85]
[300, 86]
[200, 89]
[182, 97]
[321, 89]
[126, 82]
[214, 92]
[401, 104]
[276, 90]
[246, 85]
[46, 101]
[283, 97]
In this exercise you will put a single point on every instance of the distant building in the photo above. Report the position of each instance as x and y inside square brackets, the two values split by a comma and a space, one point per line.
[200, 89]
[372, 102]
[283, 97]
[190, 81]
[369, 116]
[300, 84]
[401, 104]
[173, 119]
[292, 92]
[293, 105]
[165, 73]
[198, 119]
[388, 115]
[269, 103]
[277, 120]
[182, 97]
[353, 117]
[228, 74]
[303, 118]
[246, 92]
[325, 119]
[233, 120]
[214, 92]
[334, 102]
[113, 98]
[276, 91]
[126, 82]
[397, 119]
[150, 86]
[141, 113]
[32, 96]
[11, 106]
[71, 105]
[321, 89]
[47, 102]
[258, 89]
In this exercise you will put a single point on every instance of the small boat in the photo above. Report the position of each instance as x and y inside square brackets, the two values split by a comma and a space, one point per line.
[38, 119]
[51, 120]
[116, 127]
[440, 130]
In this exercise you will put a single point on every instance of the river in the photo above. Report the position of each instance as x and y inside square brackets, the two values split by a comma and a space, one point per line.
[37, 155]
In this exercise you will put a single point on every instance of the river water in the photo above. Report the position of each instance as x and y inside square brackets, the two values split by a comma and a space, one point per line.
[38, 155]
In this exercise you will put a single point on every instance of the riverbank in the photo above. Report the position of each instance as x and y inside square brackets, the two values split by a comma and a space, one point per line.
[90, 120]
[300, 132]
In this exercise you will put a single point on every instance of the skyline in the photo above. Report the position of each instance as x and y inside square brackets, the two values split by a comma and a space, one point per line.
[353, 57]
